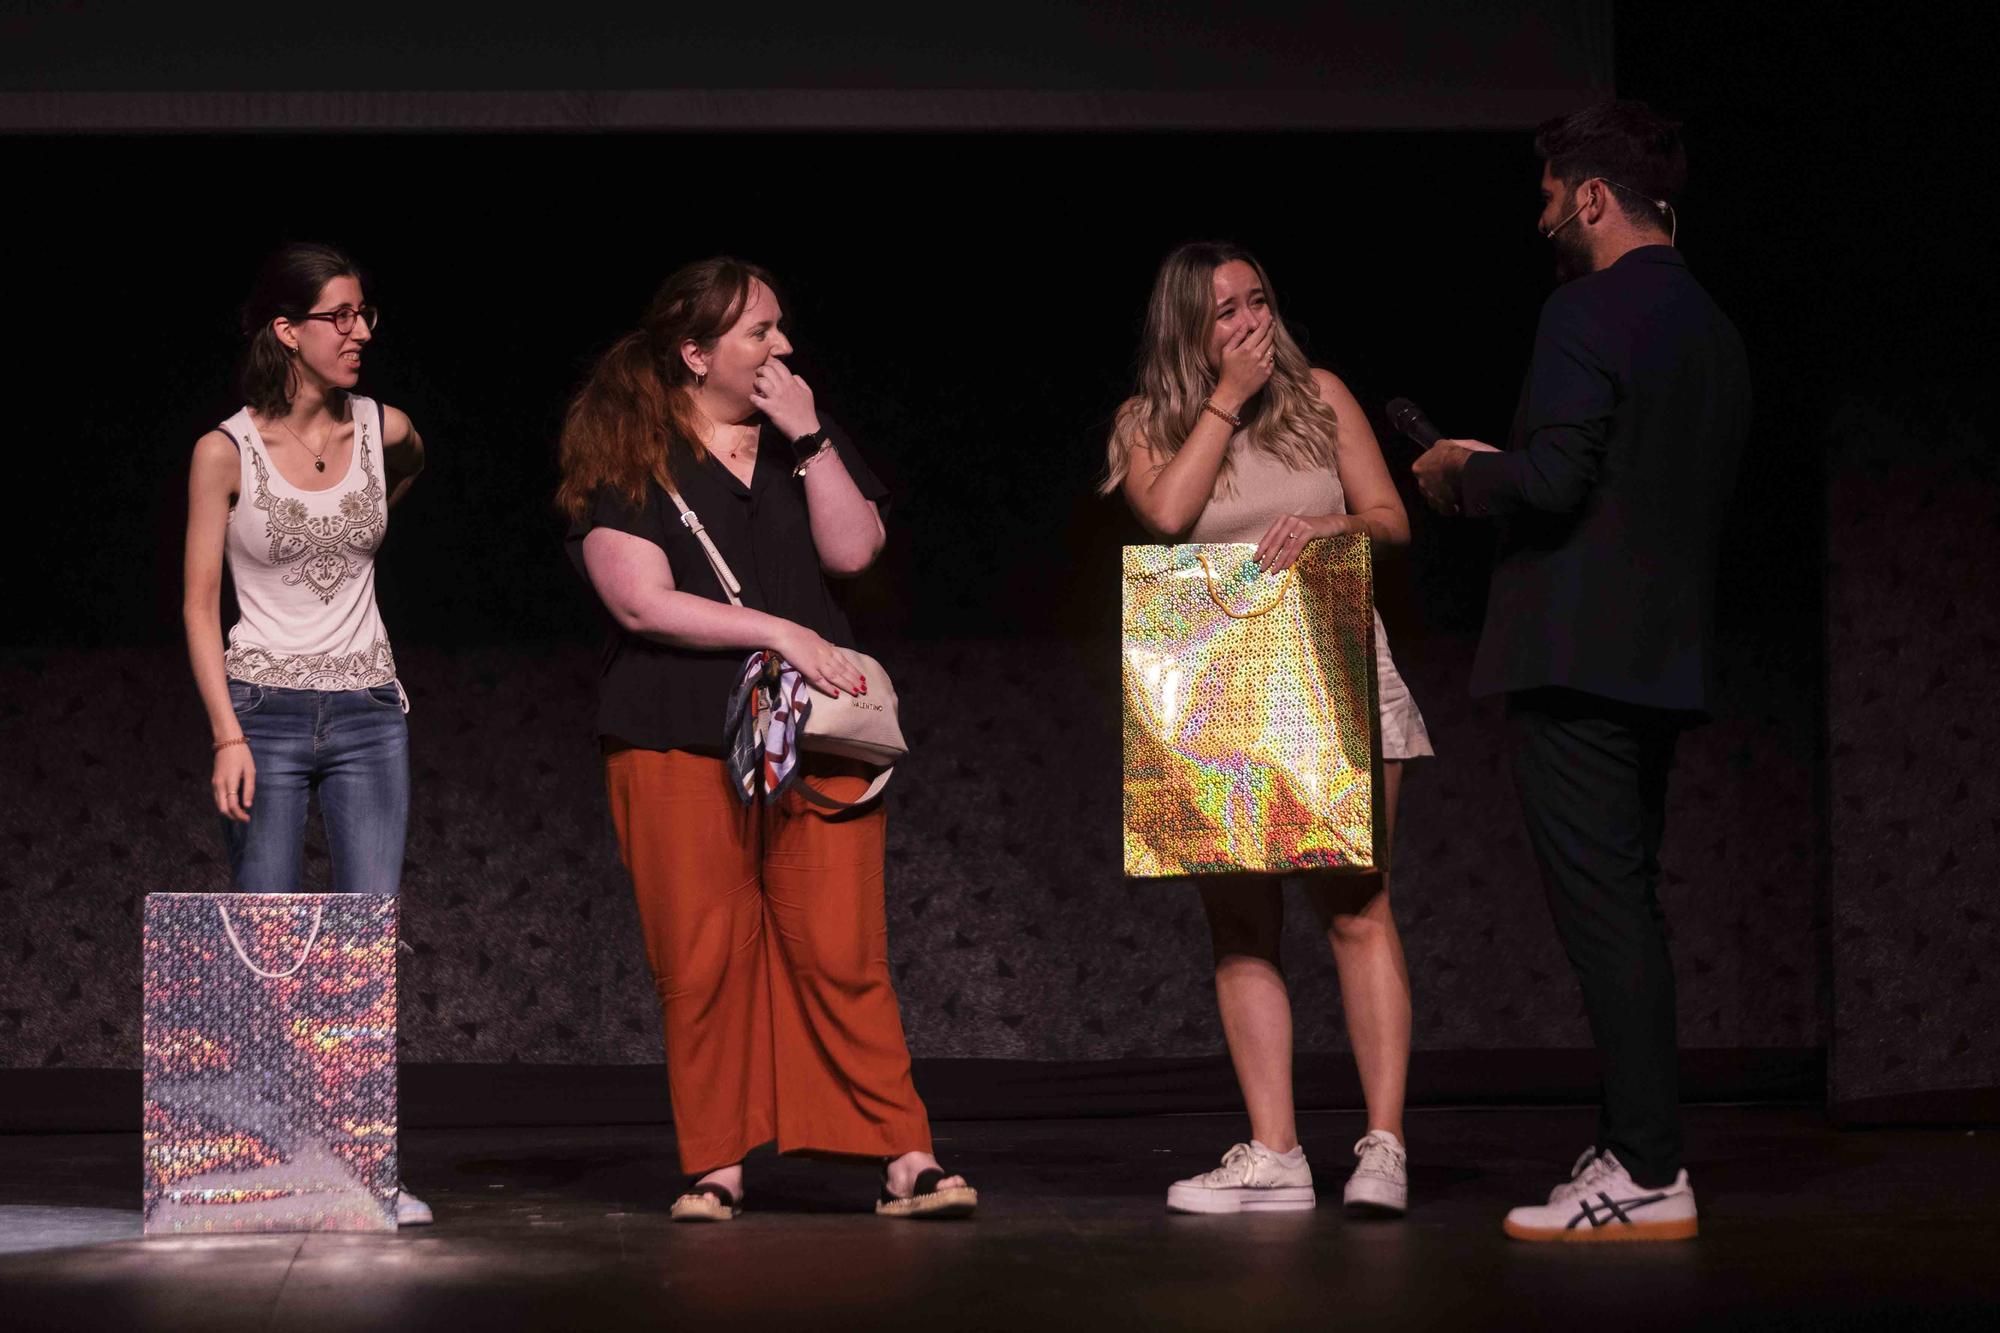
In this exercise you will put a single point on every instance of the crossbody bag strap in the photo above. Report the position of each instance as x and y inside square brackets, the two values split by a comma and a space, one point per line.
[826, 802]
[715, 560]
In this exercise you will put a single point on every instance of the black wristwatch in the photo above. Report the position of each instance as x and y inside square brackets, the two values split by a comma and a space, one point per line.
[807, 445]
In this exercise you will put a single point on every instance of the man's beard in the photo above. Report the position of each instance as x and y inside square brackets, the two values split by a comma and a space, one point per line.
[1572, 255]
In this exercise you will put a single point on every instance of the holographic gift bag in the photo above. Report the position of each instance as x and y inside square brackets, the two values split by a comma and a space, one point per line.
[1250, 715]
[270, 1062]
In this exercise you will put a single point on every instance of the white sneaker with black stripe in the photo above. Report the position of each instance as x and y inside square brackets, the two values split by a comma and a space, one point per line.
[1601, 1202]
[1251, 1179]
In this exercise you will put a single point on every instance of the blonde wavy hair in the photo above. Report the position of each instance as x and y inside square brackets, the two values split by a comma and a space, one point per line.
[1287, 418]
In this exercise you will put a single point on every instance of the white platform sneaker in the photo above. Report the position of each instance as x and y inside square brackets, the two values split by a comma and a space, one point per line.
[1380, 1184]
[1600, 1202]
[1251, 1179]
[410, 1210]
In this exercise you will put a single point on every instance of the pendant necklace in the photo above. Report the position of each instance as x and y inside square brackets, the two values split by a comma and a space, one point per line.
[319, 459]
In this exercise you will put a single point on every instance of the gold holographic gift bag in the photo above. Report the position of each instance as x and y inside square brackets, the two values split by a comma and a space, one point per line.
[270, 1062]
[1250, 710]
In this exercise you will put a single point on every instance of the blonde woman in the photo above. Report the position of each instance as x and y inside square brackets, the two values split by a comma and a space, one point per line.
[1233, 436]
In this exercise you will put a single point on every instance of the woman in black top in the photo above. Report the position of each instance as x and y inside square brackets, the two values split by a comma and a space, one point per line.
[764, 924]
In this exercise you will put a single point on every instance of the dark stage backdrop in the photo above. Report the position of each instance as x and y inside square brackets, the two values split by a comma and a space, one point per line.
[1913, 633]
[1873, 334]
[969, 306]
[131, 65]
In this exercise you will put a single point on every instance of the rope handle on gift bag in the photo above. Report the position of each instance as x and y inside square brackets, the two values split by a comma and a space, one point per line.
[1284, 581]
[236, 943]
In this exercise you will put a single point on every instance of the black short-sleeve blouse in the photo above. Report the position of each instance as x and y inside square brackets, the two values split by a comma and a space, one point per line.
[660, 697]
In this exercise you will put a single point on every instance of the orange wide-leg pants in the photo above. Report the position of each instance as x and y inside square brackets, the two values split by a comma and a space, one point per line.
[769, 945]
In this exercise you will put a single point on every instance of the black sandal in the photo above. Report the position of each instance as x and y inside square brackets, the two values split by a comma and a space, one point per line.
[705, 1202]
[926, 1200]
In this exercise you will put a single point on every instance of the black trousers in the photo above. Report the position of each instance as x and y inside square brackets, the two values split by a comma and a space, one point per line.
[1592, 777]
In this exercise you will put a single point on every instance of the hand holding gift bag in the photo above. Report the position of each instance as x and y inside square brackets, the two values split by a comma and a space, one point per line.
[270, 1062]
[1250, 710]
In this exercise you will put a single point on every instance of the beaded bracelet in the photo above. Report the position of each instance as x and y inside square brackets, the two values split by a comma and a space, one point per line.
[1208, 405]
[220, 746]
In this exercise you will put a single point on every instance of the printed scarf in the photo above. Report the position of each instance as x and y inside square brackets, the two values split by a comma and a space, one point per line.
[761, 730]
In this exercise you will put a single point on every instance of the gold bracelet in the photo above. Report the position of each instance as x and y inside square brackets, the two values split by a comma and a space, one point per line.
[1208, 405]
[220, 746]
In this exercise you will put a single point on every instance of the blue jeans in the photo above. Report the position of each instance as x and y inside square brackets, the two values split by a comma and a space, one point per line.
[350, 746]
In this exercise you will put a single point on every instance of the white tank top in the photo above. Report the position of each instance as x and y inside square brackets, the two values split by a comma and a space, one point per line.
[304, 567]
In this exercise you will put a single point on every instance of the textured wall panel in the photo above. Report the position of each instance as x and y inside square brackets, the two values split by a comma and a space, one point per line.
[1913, 635]
[1013, 933]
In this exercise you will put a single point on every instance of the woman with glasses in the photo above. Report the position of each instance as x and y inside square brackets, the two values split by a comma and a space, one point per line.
[293, 492]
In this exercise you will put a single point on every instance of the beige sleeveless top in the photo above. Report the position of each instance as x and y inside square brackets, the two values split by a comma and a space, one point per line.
[1266, 489]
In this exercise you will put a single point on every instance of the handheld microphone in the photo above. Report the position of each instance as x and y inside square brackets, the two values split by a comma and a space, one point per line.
[1410, 421]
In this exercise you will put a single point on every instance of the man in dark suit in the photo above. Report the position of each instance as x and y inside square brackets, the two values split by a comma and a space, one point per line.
[1599, 623]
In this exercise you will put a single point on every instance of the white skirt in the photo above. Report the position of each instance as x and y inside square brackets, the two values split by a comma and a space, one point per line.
[1403, 733]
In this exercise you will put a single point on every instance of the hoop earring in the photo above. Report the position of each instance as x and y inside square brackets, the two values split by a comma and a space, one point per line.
[700, 378]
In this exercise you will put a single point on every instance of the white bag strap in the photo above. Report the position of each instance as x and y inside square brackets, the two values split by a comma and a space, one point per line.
[312, 937]
[715, 560]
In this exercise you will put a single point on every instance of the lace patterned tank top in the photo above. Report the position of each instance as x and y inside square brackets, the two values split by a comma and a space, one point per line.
[304, 567]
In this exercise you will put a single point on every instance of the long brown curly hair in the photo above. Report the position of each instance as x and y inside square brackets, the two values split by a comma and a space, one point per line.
[634, 419]
[1287, 418]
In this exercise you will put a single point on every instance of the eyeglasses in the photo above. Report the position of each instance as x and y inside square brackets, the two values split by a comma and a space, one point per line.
[343, 318]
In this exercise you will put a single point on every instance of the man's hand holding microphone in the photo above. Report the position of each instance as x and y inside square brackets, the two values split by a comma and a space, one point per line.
[1438, 468]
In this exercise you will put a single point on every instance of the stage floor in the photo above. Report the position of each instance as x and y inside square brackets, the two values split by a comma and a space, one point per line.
[1802, 1225]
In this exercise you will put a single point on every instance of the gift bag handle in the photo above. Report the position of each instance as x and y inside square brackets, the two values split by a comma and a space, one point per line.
[312, 936]
[1222, 606]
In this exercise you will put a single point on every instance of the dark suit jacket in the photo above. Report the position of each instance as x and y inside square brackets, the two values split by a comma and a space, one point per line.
[1612, 493]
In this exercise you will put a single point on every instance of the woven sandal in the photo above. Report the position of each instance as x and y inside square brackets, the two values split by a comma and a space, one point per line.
[706, 1202]
[927, 1202]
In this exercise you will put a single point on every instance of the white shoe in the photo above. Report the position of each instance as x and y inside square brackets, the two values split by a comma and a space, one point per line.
[410, 1210]
[1251, 1179]
[1600, 1202]
[1381, 1181]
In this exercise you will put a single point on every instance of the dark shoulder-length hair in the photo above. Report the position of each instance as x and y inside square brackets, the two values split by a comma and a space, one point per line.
[633, 421]
[1628, 146]
[287, 287]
